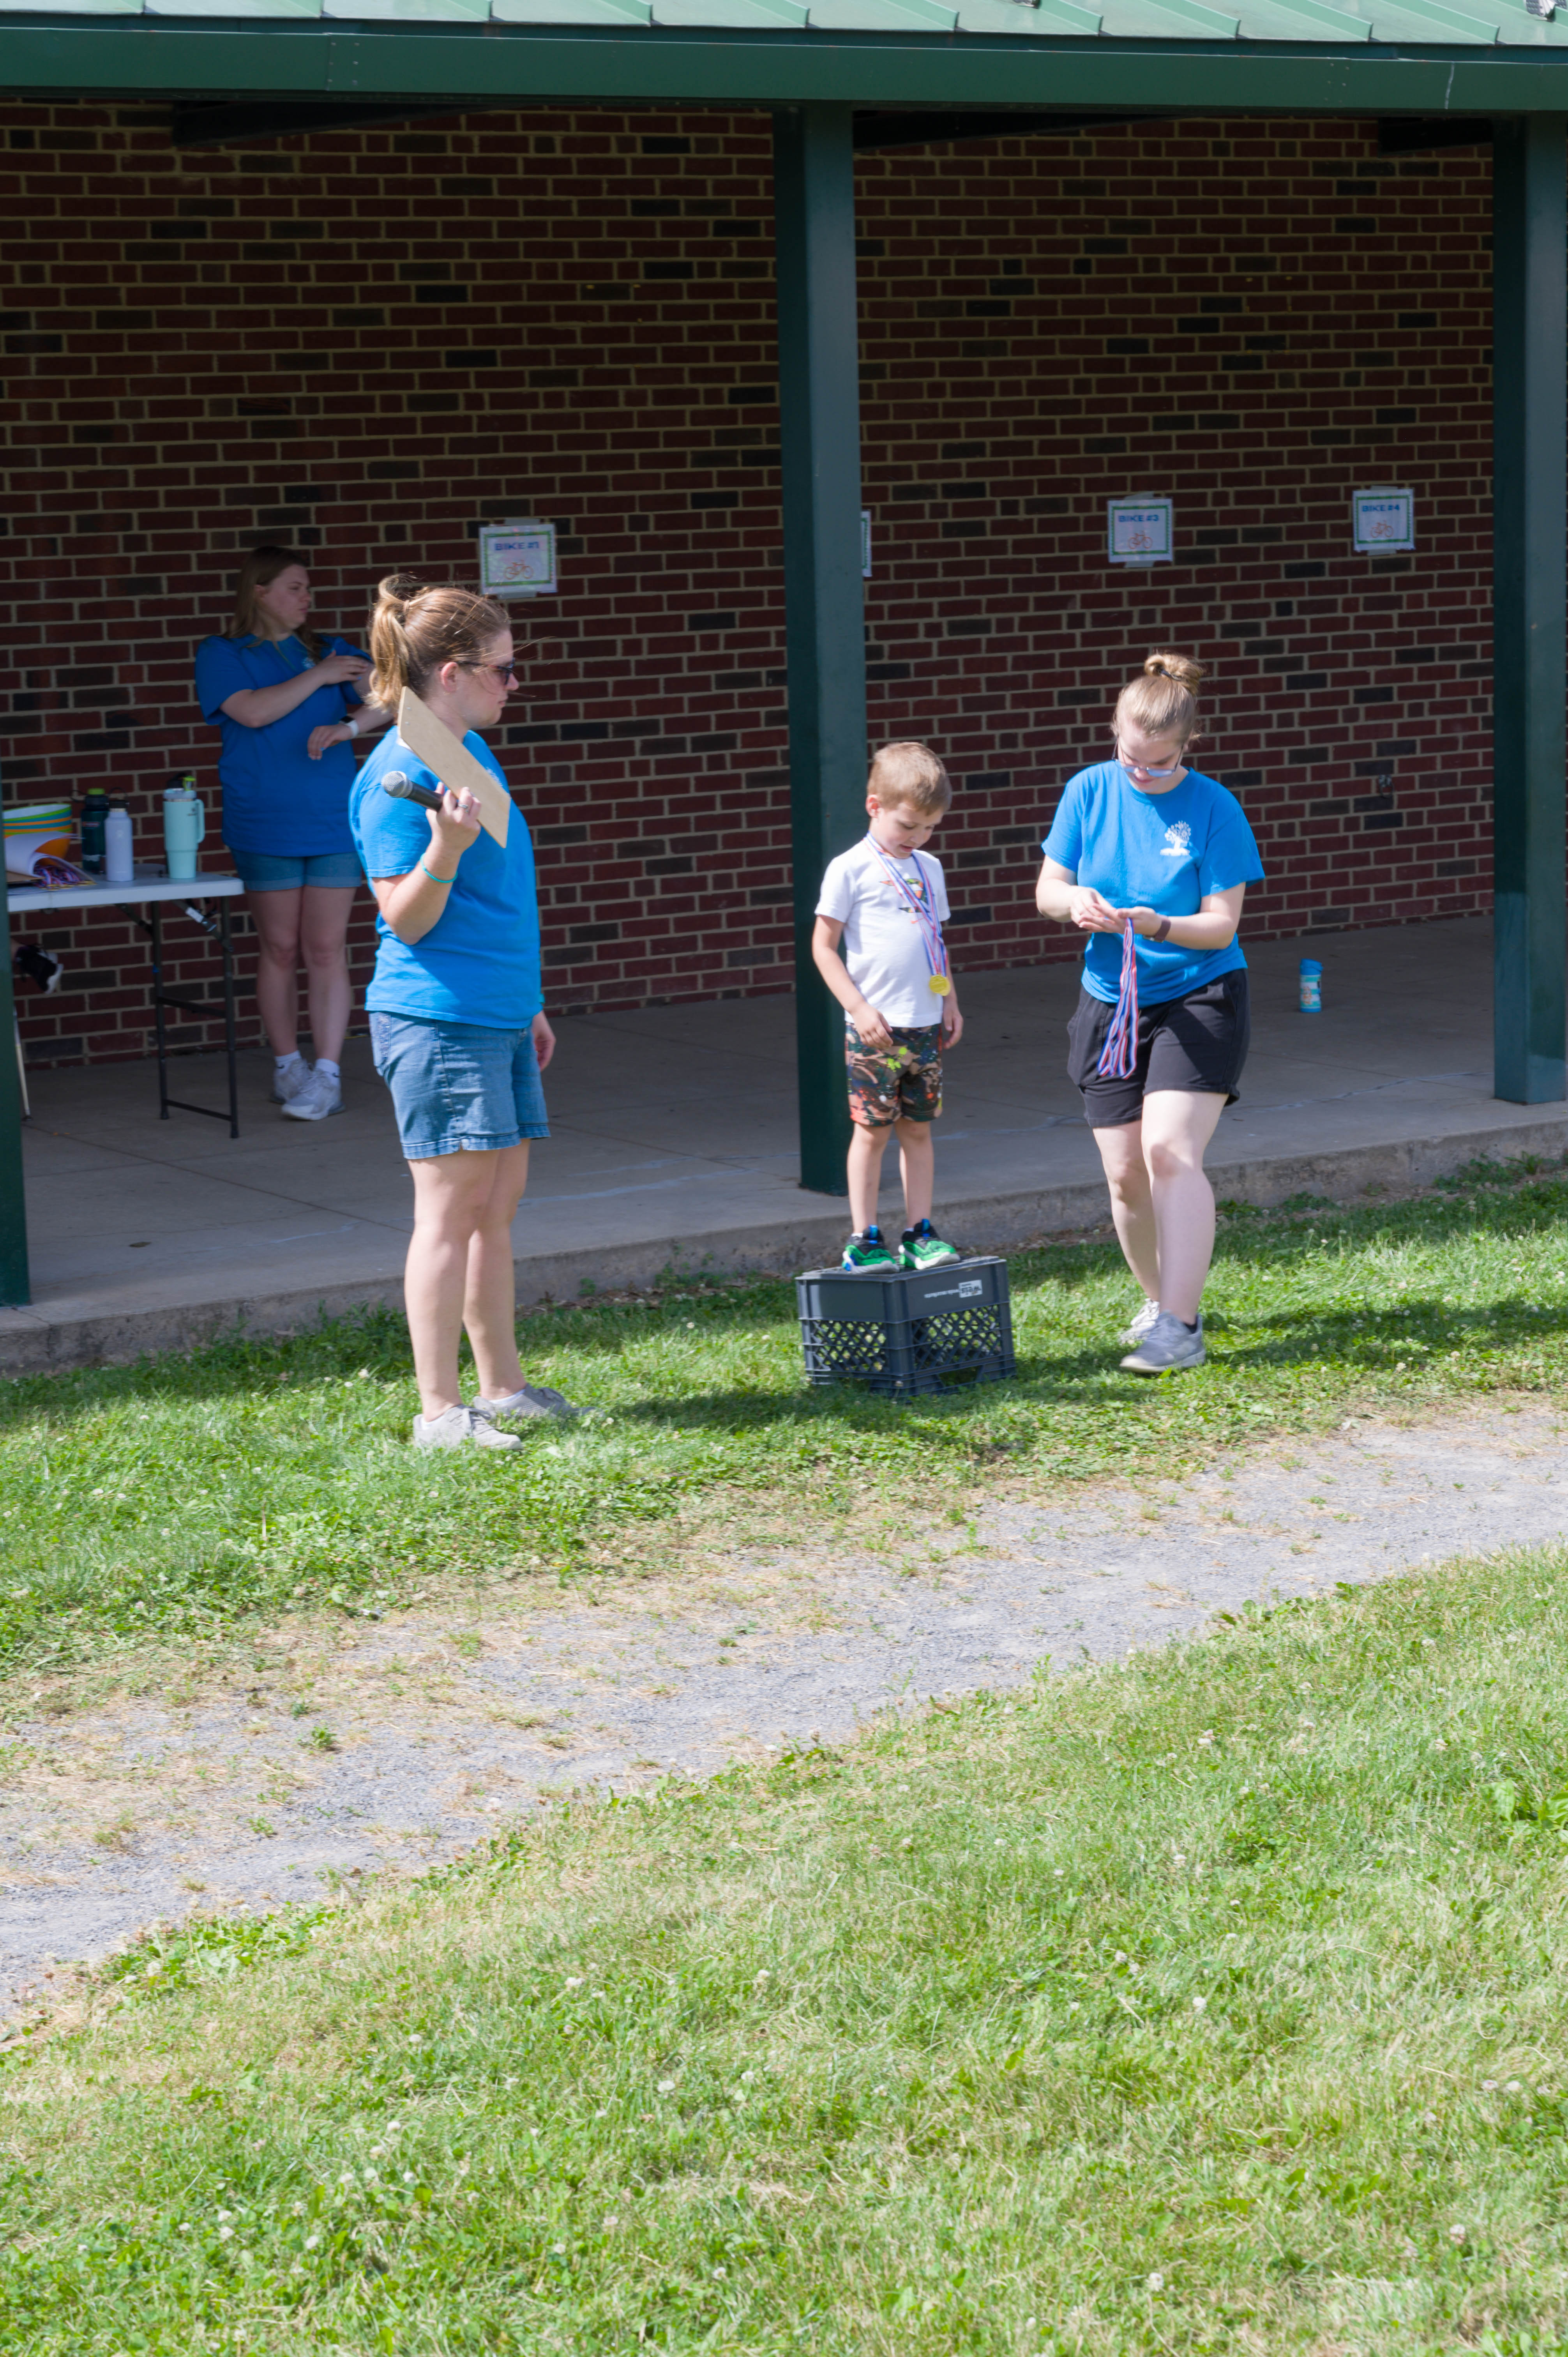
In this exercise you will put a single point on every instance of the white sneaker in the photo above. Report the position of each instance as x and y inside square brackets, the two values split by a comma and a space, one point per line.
[532, 1400]
[287, 1084]
[459, 1425]
[1143, 1323]
[1166, 1346]
[320, 1095]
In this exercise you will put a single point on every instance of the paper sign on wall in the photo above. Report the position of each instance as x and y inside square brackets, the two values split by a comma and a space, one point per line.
[865, 543]
[1382, 519]
[517, 560]
[1141, 532]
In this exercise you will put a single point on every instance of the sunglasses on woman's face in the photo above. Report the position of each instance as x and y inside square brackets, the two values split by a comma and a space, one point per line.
[503, 672]
[1142, 769]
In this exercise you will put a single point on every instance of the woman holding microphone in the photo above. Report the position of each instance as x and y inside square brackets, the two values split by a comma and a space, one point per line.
[1146, 841]
[457, 1019]
[290, 704]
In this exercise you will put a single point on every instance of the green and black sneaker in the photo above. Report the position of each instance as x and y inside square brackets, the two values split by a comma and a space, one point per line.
[923, 1248]
[868, 1251]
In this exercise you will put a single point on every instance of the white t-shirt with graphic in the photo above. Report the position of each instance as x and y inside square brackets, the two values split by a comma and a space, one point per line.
[883, 943]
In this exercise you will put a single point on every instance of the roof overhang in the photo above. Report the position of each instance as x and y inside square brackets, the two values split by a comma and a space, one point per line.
[1489, 58]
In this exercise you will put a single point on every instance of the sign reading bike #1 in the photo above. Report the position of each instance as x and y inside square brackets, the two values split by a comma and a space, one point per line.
[1382, 520]
[518, 560]
[1141, 532]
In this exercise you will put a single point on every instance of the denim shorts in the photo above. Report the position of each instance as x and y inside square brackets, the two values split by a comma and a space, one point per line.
[459, 1088]
[264, 871]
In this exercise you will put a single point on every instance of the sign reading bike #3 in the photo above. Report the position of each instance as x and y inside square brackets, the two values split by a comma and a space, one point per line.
[1141, 532]
[1382, 520]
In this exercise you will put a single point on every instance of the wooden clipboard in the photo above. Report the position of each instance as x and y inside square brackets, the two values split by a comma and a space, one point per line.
[454, 764]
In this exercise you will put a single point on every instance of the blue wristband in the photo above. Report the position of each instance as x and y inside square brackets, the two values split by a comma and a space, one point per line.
[435, 879]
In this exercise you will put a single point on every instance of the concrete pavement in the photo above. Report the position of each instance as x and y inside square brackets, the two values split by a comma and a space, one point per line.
[673, 1146]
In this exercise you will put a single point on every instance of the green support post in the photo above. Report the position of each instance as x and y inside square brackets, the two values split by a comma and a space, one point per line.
[15, 1287]
[1529, 602]
[819, 394]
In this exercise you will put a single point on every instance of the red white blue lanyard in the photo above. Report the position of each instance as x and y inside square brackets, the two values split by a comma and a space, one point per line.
[923, 903]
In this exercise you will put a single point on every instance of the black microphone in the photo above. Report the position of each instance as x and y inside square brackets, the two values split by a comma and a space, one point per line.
[404, 790]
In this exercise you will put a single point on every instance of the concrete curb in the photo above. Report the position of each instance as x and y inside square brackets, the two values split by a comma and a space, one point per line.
[37, 1341]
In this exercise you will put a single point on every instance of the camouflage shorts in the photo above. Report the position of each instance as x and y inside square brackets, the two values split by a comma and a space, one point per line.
[903, 1082]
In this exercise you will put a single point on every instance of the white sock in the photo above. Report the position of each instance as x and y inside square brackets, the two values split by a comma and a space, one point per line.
[325, 1064]
[286, 1063]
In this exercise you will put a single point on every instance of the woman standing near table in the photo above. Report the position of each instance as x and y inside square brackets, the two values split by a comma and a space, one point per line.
[290, 704]
[456, 1015]
[1146, 838]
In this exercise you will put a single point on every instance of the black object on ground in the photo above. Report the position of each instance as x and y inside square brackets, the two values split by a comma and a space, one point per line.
[906, 1331]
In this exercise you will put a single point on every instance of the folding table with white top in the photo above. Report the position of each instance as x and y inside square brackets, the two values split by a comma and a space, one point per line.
[152, 889]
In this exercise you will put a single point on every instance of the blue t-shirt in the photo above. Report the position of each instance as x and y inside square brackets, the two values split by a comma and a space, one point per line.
[479, 961]
[275, 798]
[1162, 851]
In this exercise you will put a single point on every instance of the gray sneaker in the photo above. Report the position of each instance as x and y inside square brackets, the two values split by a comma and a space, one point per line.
[1166, 1346]
[1134, 1332]
[287, 1085]
[457, 1425]
[532, 1400]
[320, 1095]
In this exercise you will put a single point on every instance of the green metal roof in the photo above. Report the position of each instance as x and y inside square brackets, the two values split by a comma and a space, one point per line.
[1426, 24]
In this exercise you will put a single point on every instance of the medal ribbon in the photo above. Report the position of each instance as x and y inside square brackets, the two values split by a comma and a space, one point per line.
[1119, 1057]
[923, 904]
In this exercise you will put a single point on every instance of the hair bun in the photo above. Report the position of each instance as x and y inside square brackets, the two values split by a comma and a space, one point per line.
[1179, 668]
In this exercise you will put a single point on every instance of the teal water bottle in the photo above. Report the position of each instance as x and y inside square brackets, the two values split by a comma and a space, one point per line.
[1310, 992]
[185, 827]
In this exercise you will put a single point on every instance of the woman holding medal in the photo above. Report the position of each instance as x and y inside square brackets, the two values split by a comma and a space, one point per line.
[878, 946]
[1152, 860]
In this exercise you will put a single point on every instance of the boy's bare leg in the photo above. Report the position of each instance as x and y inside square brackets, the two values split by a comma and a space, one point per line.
[918, 1159]
[866, 1148]
[1132, 1202]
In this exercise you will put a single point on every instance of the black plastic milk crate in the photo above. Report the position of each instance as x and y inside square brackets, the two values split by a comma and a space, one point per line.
[907, 1331]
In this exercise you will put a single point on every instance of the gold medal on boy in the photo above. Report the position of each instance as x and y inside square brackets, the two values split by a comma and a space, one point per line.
[940, 985]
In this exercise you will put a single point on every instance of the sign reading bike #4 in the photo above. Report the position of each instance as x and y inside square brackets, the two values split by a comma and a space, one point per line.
[1382, 520]
[1141, 532]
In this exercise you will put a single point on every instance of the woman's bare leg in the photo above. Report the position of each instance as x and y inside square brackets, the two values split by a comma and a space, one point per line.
[323, 932]
[1176, 1129]
[277, 917]
[490, 1297]
[450, 1194]
[1131, 1203]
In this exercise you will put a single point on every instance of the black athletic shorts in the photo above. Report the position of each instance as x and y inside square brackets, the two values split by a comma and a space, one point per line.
[1196, 1044]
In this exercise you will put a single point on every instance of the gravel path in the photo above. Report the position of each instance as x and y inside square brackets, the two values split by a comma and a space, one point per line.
[401, 1745]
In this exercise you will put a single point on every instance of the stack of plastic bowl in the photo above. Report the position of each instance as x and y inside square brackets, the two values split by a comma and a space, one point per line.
[36, 830]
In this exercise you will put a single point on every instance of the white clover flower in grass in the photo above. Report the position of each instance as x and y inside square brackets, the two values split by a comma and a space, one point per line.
[667, 2086]
[1200, 2004]
[1156, 2281]
[1456, 2234]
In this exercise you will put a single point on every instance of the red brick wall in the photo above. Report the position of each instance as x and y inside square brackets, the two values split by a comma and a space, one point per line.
[370, 342]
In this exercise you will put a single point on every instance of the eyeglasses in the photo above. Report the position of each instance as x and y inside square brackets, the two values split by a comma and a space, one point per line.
[503, 672]
[1141, 769]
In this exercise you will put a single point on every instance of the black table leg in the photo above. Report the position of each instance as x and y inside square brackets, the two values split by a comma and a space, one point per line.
[157, 929]
[227, 944]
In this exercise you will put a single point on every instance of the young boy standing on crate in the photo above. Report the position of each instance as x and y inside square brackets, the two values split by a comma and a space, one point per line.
[878, 946]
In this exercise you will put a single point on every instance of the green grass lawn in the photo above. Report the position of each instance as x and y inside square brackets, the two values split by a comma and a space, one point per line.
[1218, 2002]
[177, 1499]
